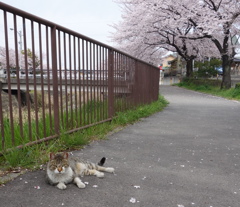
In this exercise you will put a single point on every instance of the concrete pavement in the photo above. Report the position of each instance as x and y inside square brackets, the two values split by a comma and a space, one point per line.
[185, 156]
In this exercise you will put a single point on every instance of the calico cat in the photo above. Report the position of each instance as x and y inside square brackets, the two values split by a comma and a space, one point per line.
[63, 169]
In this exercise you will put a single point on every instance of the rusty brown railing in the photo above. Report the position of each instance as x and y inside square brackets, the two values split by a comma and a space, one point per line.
[54, 80]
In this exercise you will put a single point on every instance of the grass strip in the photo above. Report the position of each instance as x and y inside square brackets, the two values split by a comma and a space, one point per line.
[211, 87]
[32, 157]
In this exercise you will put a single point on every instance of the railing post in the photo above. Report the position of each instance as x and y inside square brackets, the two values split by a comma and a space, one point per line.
[110, 84]
[55, 80]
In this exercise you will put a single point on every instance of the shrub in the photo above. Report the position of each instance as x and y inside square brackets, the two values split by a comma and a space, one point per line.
[237, 86]
[206, 69]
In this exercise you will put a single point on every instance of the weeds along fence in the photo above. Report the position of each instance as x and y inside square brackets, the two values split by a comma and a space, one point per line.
[54, 80]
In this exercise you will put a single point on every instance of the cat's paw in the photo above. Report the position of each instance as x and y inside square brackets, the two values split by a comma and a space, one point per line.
[61, 186]
[100, 174]
[110, 169]
[81, 185]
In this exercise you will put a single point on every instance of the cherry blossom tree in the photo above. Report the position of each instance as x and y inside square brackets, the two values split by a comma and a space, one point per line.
[194, 29]
[12, 60]
[218, 21]
[31, 63]
[147, 28]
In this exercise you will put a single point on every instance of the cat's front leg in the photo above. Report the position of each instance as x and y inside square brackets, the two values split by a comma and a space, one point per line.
[61, 186]
[79, 183]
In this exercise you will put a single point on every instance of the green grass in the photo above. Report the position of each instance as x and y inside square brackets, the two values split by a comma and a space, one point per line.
[211, 87]
[34, 156]
[89, 113]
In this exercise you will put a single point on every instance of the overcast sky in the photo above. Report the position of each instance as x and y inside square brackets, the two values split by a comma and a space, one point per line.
[91, 18]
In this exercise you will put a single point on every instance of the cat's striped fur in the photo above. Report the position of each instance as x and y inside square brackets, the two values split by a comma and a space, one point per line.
[63, 169]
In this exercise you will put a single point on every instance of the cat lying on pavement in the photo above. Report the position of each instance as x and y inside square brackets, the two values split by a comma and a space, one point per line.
[63, 169]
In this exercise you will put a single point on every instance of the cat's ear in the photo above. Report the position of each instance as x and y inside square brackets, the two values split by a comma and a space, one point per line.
[65, 155]
[52, 155]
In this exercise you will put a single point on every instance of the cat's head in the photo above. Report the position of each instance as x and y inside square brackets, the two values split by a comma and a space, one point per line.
[58, 162]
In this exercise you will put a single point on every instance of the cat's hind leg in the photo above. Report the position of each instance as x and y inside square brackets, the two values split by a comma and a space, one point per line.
[106, 169]
[79, 183]
[96, 173]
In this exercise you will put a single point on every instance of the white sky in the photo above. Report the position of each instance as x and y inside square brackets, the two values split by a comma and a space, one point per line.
[91, 18]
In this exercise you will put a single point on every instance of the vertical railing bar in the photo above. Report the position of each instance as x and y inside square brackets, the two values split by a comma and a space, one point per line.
[141, 86]
[94, 83]
[65, 72]
[90, 81]
[101, 81]
[79, 82]
[147, 86]
[130, 83]
[99, 99]
[118, 69]
[55, 80]
[156, 95]
[130, 69]
[70, 76]
[84, 82]
[104, 72]
[118, 83]
[144, 82]
[125, 59]
[42, 82]
[18, 78]
[124, 63]
[126, 72]
[28, 98]
[120, 65]
[48, 81]
[9, 79]
[87, 68]
[123, 68]
[118, 80]
[34, 79]
[1, 114]
[110, 83]
[75, 82]
[135, 84]
[60, 75]
[115, 80]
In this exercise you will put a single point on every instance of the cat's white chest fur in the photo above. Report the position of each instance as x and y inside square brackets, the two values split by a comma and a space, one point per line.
[64, 177]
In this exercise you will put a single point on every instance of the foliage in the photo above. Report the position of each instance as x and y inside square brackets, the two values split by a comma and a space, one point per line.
[237, 86]
[207, 69]
[32, 59]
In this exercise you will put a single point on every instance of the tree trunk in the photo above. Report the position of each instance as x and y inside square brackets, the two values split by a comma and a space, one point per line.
[226, 65]
[189, 67]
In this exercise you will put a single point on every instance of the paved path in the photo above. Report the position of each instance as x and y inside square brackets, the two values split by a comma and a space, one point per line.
[185, 156]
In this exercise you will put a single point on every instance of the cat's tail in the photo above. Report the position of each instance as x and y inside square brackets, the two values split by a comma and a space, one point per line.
[102, 161]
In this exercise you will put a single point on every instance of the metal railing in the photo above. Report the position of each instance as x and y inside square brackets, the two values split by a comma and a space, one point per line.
[54, 80]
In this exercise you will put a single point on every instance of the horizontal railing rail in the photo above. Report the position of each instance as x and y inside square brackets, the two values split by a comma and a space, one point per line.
[54, 80]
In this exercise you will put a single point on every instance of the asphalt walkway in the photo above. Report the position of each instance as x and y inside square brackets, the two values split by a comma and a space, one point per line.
[185, 156]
